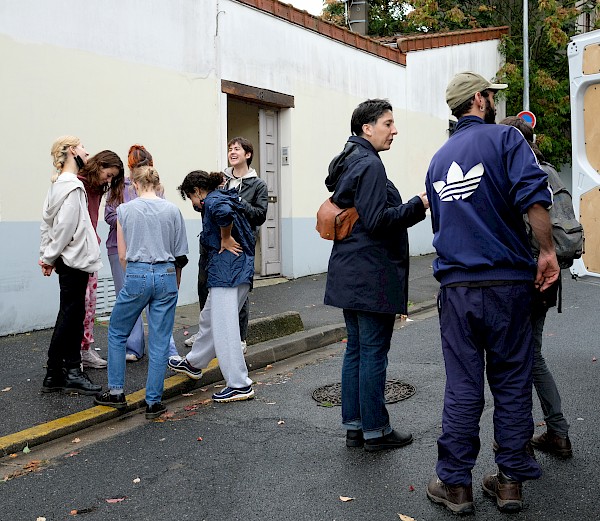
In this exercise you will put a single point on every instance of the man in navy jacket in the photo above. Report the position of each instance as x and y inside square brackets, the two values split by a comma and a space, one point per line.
[479, 184]
[368, 272]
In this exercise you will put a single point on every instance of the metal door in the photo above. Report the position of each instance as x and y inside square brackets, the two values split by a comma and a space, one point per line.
[269, 171]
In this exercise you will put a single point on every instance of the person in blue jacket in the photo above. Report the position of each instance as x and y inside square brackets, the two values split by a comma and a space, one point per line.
[368, 272]
[228, 242]
[479, 185]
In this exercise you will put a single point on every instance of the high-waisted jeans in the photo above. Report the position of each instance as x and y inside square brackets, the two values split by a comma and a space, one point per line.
[155, 286]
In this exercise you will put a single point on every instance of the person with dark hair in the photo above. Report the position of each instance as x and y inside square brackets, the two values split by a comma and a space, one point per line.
[479, 185]
[228, 242]
[368, 272]
[96, 176]
[69, 246]
[254, 196]
[555, 440]
[152, 244]
[122, 191]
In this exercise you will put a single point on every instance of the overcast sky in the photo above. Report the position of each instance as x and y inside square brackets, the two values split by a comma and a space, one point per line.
[312, 6]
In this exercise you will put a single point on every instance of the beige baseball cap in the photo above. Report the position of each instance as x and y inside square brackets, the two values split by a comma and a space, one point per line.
[465, 85]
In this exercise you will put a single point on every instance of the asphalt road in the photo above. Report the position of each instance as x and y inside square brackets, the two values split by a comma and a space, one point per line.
[281, 456]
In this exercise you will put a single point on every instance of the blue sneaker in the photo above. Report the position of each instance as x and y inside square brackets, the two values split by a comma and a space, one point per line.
[234, 395]
[183, 366]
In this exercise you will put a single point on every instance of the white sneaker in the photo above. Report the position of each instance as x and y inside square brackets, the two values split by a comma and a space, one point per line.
[176, 358]
[244, 347]
[190, 341]
[91, 359]
[130, 357]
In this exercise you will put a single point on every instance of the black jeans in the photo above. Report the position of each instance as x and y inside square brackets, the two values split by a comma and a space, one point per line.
[68, 331]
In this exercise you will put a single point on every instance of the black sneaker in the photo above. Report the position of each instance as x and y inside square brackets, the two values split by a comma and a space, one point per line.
[111, 400]
[183, 366]
[393, 440]
[155, 410]
[76, 381]
[228, 394]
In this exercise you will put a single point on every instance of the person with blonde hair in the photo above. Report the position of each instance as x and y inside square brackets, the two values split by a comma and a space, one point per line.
[152, 246]
[68, 246]
[122, 191]
[96, 176]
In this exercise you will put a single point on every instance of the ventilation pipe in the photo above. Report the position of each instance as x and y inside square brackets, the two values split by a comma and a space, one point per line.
[357, 15]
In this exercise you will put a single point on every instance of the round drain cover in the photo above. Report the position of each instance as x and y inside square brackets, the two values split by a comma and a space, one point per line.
[395, 391]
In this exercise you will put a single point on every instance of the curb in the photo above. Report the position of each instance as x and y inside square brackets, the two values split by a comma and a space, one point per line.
[259, 356]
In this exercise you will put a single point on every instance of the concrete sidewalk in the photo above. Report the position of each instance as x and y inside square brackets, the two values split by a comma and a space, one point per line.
[30, 418]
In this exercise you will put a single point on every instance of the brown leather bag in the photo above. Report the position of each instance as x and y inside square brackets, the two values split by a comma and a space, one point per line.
[333, 222]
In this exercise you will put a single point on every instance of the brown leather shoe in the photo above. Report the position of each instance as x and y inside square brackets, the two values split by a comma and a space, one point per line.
[457, 498]
[507, 492]
[554, 444]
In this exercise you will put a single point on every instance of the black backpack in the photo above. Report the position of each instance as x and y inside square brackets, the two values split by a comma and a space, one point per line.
[567, 232]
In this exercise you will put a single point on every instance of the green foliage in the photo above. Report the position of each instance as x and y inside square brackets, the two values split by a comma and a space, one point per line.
[551, 24]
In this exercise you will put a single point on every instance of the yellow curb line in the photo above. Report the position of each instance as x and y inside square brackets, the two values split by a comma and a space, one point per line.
[75, 422]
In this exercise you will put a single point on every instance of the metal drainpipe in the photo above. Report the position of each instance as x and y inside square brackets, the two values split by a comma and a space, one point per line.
[525, 54]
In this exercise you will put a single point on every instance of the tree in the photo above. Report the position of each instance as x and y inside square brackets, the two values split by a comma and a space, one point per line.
[551, 24]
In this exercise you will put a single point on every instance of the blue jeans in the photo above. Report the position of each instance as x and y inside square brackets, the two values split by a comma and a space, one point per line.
[364, 371]
[155, 286]
[135, 342]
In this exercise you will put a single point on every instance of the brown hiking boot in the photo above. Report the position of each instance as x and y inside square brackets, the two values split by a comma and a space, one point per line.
[554, 444]
[457, 498]
[507, 492]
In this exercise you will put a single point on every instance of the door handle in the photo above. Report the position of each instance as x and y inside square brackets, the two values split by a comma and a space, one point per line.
[272, 199]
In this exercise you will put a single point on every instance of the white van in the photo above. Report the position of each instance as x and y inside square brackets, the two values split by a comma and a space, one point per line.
[584, 77]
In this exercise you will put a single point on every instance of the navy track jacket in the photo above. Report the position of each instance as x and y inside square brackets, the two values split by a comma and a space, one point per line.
[479, 185]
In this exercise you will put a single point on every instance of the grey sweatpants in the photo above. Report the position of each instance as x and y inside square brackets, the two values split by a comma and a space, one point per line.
[219, 335]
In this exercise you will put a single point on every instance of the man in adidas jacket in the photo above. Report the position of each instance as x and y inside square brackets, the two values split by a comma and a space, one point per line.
[479, 185]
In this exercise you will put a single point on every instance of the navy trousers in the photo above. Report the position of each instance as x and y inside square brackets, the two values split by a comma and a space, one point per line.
[486, 330]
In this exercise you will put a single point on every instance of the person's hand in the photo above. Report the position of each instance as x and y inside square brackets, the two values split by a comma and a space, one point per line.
[424, 200]
[547, 271]
[46, 268]
[230, 244]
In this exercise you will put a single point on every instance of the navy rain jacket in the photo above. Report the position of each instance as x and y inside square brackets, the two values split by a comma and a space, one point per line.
[226, 270]
[368, 271]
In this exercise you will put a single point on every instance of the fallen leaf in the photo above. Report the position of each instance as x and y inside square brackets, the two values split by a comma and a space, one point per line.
[32, 465]
[75, 440]
[137, 480]
[269, 366]
[280, 422]
[187, 394]
[186, 333]
[71, 454]
[346, 498]
[115, 500]
[26, 449]
[406, 518]
[73, 512]
[199, 438]
[190, 407]
[12, 455]
[344, 340]
[410, 489]
[6, 389]
[203, 389]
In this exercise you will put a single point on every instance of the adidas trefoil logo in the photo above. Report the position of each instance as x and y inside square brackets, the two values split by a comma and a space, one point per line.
[459, 185]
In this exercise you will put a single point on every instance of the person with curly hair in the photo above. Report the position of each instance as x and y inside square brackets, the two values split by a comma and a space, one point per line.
[228, 242]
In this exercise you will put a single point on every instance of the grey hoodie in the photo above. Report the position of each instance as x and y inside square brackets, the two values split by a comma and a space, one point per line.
[67, 229]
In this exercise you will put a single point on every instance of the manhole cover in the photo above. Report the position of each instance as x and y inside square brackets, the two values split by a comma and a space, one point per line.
[395, 391]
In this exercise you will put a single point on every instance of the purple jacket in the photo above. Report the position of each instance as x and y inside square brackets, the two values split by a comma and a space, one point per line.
[110, 217]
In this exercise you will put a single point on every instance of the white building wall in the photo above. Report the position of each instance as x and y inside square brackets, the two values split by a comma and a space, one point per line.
[149, 71]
